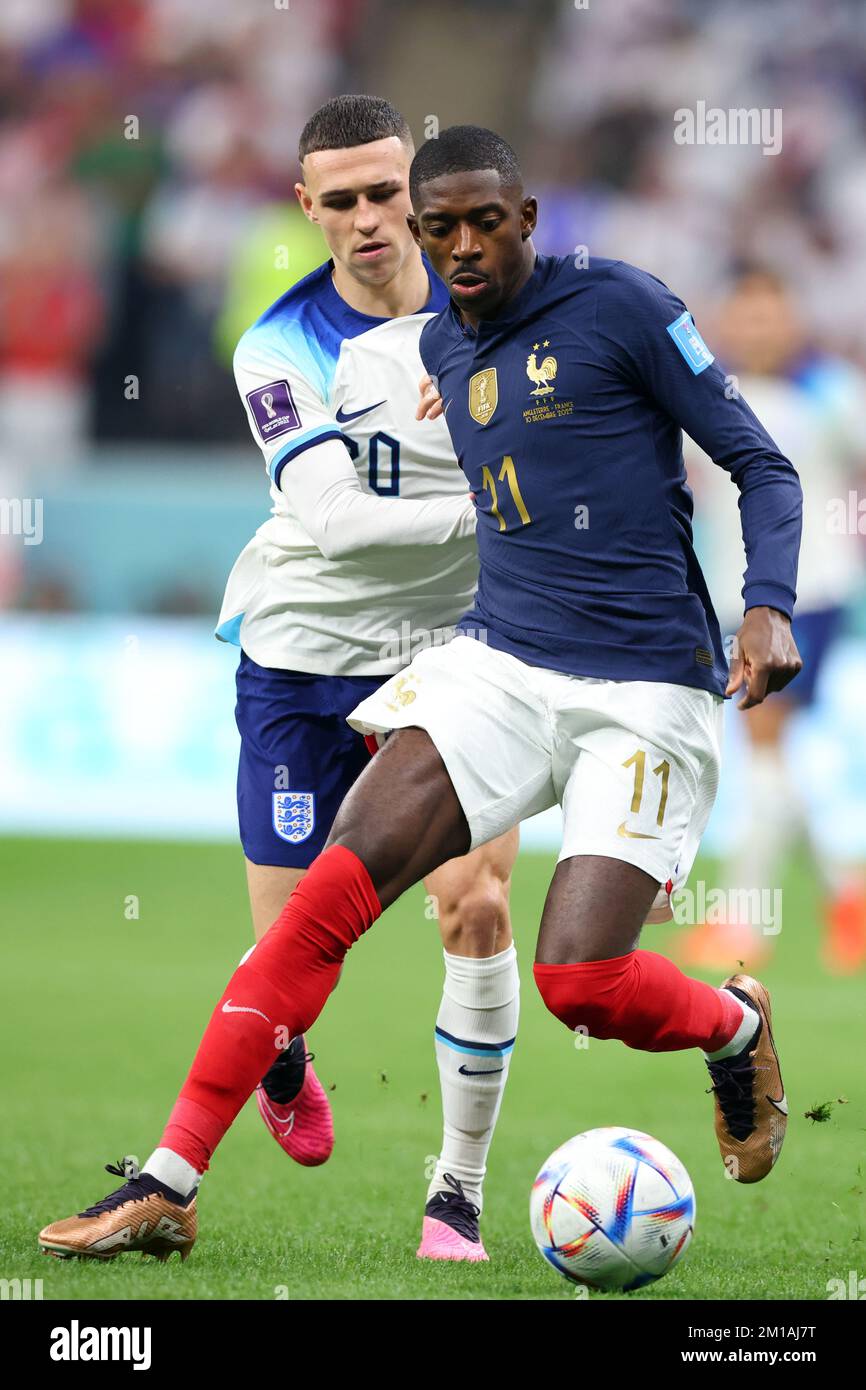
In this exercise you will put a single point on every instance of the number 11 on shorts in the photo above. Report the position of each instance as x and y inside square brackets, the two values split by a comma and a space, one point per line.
[663, 771]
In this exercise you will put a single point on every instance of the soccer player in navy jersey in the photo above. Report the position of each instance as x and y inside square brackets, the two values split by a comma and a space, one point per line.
[590, 672]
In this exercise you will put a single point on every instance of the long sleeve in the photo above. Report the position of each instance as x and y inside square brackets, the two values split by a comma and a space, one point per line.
[326, 496]
[306, 457]
[653, 339]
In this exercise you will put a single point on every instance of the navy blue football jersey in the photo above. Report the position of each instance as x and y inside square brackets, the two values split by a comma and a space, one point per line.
[566, 413]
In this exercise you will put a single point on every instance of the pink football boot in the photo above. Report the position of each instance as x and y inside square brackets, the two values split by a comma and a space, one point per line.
[450, 1230]
[295, 1107]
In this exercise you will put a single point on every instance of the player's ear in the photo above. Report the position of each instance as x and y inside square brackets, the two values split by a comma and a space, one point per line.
[305, 201]
[414, 229]
[528, 217]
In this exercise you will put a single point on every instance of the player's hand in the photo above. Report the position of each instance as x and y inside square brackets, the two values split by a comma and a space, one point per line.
[765, 656]
[430, 405]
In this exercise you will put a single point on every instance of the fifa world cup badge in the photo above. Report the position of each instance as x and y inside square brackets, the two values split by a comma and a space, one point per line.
[483, 395]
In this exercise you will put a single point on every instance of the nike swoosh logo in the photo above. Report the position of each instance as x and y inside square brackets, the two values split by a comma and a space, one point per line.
[782, 1103]
[290, 1123]
[491, 1071]
[634, 834]
[230, 1008]
[343, 416]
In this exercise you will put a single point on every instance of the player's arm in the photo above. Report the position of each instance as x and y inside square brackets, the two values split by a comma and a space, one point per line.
[307, 458]
[326, 496]
[652, 338]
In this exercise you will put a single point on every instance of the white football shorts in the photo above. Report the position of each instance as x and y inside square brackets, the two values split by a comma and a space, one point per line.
[634, 764]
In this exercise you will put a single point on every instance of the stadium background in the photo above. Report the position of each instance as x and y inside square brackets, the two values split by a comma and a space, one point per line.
[147, 155]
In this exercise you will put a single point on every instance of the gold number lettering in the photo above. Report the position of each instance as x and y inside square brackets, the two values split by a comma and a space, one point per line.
[638, 761]
[663, 770]
[507, 473]
[490, 486]
[510, 472]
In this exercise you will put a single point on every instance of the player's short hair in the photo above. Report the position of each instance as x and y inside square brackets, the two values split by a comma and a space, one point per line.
[460, 149]
[349, 120]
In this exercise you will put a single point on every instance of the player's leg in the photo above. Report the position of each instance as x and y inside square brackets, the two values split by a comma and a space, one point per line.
[770, 816]
[637, 795]
[403, 818]
[291, 1100]
[774, 816]
[593, 978]
[370, 858]
[269, 887]
[475, 1032]
[840, 872]
[279, 990]
[297, 760]
[841, 876]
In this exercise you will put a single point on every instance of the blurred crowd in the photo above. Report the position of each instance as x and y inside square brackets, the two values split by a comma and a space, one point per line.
[602, 115]
[147, 154]
[138, 142]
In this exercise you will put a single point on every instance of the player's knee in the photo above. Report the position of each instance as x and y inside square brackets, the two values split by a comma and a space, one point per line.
[475, 922]
[592, 996]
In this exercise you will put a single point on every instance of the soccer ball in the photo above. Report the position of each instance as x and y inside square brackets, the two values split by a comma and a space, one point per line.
[612, 1208]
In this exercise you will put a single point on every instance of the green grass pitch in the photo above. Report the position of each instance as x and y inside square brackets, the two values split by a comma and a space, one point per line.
[102, 1011]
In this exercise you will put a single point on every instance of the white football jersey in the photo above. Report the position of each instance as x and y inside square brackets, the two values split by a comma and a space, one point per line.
[312, 370]
[819, 422]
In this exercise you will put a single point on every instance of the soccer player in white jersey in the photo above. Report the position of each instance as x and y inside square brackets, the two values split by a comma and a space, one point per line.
[814, 405]
[368, 555]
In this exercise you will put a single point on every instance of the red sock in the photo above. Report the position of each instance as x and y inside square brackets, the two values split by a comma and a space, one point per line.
[277, 993]
[642, 999]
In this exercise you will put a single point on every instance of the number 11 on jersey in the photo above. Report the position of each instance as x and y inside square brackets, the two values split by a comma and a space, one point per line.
[507, 472]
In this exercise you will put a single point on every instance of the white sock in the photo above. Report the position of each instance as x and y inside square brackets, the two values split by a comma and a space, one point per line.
[772, 817]
[475, 1029]
[168, 1167]
[743, 1035]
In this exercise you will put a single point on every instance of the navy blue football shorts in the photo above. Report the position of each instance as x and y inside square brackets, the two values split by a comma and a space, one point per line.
[298, 758]
[814, 632]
